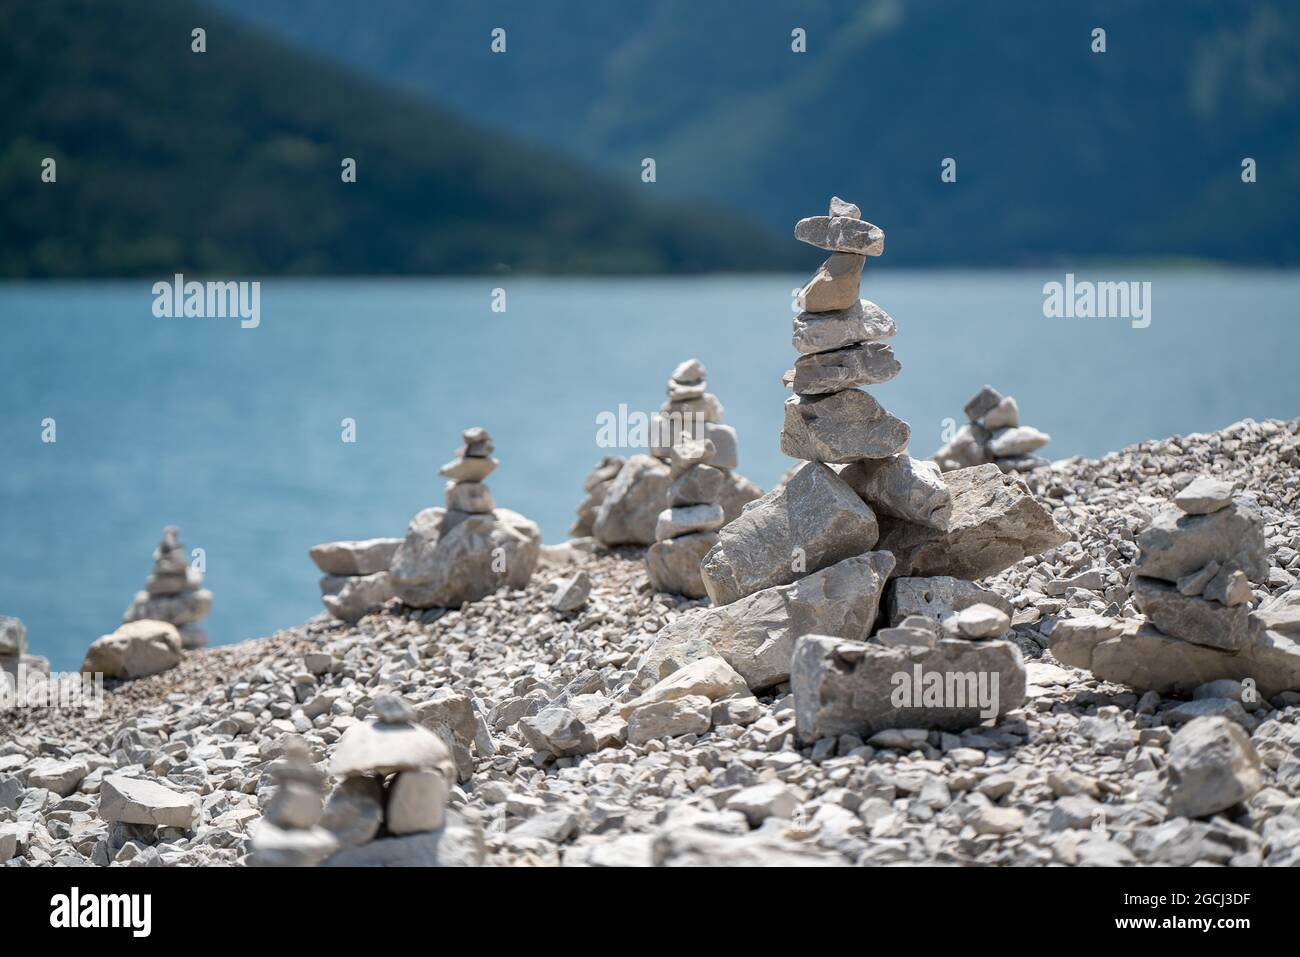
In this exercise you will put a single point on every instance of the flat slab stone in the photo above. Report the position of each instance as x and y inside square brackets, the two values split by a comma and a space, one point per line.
[1204, 494]
[841, 234]
[812, 521]
[863, 321]
[995, 523]
[355, 558]
[859, 688]
[841, 427]
[125, 800]
[866, 363]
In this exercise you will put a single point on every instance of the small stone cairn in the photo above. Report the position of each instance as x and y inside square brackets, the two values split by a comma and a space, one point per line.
[993, 434]
[687, 528]
[174, 593]
[625, 497]
[1192, 582]
[13, 650]
[390, 807]
[290, 834]
[469, 549]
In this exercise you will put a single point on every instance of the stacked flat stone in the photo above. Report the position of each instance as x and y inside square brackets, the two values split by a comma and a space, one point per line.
[624, 499]
[811, 559]
[395, 777]
[840, 341]
[688, 395]
[356, 580]
[1195, 565]
[290, 834]
[469, 549]
[174, 593]
[1192, 582]
[687, 528]
[993, 433]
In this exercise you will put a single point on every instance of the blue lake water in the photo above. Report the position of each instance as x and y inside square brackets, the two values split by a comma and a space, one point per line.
[235, 434]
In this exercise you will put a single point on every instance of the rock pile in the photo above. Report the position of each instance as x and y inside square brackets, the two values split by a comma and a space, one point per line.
[469, 549]
[687, 528]
[356, 579]
[390, 808]
[813, 556]
[290, 835]
[993, 434]
[624, 498]
[174, 593]
[1192, 581]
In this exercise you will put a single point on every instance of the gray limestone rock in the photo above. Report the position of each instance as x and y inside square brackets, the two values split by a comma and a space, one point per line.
[841, 427]
[812, 521]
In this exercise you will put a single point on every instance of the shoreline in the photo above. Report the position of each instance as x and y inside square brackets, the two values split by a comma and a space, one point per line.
[1079, 752]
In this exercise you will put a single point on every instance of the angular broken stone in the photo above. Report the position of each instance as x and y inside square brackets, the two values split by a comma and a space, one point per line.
[354, 812]
[700, 484]
[449, 558]
[1017, 441]
[842, 207]
[980, 621]
[135, 650]
[473, 497]
[711, 677]
[867, 363]
[995, 523]
[1229, 586]
[1212, 767]
[841, 427]
[1280, 613]
[1004, 415]
[756, 634]
[584, 724]
[1192, 619]
[841, 234]
[863, 321]
[812, 521]
[967, 448]
[1203, 495]
[350, 598]
[126, 800]
[984, 402]
[903, 487]
[355, 558]
[571, 593]
[858, 688]
[834, 286]
[386, 748]
[1132, 652]
[632, 504]
[687, 519]
[416, 801]
[673, 565]
[1177, 544]
[737, 492]
[670, 719]
[937, 598]
[725, 448]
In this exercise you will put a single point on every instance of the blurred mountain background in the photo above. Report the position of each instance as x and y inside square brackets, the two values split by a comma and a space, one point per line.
[531, 160]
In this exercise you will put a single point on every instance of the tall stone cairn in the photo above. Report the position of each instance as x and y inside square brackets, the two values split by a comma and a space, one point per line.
[687, 528]
[173, 593]
[840, 340]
